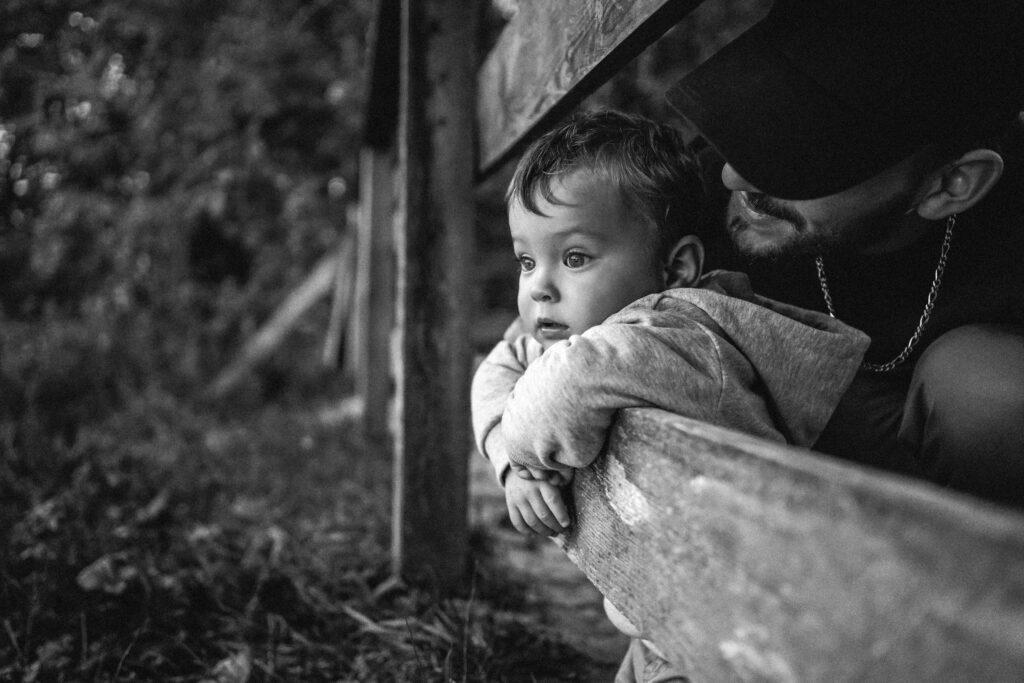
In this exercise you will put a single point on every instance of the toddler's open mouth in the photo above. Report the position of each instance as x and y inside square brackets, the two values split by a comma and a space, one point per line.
[551, 329]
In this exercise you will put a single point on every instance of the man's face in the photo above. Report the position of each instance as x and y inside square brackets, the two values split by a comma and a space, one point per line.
[582, 260]
[873, 216]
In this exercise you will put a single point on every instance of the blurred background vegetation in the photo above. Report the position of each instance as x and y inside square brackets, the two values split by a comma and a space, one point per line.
[168, 171]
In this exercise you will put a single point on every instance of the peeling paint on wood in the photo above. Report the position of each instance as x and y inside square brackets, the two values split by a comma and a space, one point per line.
[626, 499]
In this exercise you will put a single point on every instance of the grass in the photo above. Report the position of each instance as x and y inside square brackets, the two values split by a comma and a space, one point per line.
[167, 542]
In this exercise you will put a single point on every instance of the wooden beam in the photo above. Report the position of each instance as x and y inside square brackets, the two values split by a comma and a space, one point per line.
[551, 55]
[369, 341]
[270, 335]
[345, 276]
[746, 560]
[434, 232]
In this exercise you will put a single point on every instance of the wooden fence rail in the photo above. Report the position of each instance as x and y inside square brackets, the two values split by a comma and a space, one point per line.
[747, 560]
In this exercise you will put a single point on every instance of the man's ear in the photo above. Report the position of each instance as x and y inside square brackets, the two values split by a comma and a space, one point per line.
[685, 263]
[960, 185]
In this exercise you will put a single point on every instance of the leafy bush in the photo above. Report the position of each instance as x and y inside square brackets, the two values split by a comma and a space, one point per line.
[168, 171]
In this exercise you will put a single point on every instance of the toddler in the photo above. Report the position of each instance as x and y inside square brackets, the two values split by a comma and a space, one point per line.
[615, 313]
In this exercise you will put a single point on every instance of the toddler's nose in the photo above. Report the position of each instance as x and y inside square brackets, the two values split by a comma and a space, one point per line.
[538, 294]
[543, 289]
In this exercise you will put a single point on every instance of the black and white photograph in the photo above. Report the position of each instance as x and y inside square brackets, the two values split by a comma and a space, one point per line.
[511, 341]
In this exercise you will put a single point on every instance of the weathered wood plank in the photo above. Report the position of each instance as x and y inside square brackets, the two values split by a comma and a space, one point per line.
[751, 561]
[551, 55]
[434, 244]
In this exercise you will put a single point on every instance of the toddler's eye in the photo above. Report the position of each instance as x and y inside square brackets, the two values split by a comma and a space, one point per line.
[526, 263]
[575, 259]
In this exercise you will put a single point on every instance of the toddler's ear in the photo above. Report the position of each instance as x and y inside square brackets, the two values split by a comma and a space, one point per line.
[685, 263]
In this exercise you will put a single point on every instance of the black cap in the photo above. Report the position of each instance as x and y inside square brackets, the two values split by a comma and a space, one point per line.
[823, 94]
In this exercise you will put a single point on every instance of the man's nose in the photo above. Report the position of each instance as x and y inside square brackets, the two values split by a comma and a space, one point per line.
[542, 287]
[734, 181]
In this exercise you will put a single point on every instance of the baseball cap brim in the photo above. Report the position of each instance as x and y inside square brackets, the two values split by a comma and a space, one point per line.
[779, 128]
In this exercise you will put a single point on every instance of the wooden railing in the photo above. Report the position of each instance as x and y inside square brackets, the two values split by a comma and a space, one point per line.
[743, 559]
[746, 560]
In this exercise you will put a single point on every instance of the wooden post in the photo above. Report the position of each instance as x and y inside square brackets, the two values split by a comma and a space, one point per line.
[373, 312]
[434, 245]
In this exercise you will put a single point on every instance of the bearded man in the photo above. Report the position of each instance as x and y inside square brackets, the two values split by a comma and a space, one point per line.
[872, 149]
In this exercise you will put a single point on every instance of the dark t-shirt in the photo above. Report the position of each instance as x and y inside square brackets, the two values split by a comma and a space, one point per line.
[884, 295]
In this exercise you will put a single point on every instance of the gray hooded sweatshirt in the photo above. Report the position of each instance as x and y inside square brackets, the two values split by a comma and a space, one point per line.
[717, 353]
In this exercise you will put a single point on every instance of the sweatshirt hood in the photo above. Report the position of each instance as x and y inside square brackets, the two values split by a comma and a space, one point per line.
[805, 359]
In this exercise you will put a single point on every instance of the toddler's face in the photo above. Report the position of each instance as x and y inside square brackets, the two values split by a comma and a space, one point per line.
[581, 261]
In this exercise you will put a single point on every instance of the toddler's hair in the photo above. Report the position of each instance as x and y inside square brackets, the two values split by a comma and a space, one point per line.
[648, 162]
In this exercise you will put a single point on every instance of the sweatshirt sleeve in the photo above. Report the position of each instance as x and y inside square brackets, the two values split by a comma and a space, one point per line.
[492, 385]
[563, 405]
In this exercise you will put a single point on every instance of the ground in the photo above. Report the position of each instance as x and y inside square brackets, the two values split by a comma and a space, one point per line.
[174, 542]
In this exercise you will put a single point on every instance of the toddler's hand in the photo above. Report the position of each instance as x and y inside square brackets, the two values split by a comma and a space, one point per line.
[553, 477]
[536, 506]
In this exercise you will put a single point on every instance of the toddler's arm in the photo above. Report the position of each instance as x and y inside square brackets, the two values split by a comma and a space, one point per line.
[492, 385]
[563, 405]
[533, 496]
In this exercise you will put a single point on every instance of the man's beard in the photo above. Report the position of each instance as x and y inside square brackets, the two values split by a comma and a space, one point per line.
[795, 246]
[802, 243]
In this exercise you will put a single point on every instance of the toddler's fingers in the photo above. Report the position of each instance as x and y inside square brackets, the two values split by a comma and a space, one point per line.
[523, 517]
[531, 473]
[555, 503]
[517, 520]
[558, 477]
[538, 474]
[533, 524]
[525, 474]
[562, 478]
[547, 524]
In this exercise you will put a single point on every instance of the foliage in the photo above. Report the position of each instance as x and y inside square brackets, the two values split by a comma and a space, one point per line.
[169, 544]
[169, 170]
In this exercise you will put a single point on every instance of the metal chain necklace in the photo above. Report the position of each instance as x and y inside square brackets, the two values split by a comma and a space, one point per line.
[925, 315]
